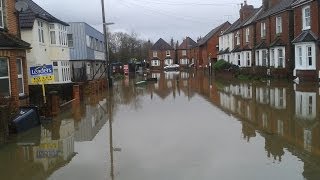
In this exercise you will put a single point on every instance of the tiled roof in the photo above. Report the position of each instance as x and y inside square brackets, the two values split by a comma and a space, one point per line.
[212, 33]
[187, 43]
[236, 49]
[232, 27]
[34, 11]
[161, 45]
[306, 36]
[298, 2]
[8, 41]
[282, 5]
[277, 42]
[262, 45]
[256, 14]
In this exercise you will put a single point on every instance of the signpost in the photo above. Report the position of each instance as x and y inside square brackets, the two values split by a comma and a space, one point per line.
[41, 75]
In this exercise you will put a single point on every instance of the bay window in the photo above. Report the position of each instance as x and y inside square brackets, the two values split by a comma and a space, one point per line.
[4, 77]
[272, 57]
[58, 34]
[264, 57]
[155, 63]
[305, 56]
[280, 58]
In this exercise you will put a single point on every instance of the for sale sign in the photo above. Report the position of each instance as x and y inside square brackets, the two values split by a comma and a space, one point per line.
[41, 74]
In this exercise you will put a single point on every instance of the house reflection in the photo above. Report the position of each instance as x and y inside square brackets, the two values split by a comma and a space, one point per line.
[39, 152]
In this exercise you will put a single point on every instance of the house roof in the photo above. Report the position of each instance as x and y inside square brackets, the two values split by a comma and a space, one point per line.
[237, 49]
[233, 26]
[306, 36]
[187, 43]
[298, 2]
[262, 45]
[8, 41]
[282, 5]
[277, 42]
[212, 33]
[34, 11]
[224, 51]
[161, 45]
[257, 12]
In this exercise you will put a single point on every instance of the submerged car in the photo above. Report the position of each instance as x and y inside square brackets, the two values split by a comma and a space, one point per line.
[173, 67]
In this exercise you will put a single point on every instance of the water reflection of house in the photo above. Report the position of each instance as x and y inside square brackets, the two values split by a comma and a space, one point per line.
[39, 152]
[95, 117]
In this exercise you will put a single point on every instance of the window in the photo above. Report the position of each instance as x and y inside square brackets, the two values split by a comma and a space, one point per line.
[70, 40]
[300, 55]
[264, 57]
[257, 58]
[184, 52]
[280, 58]
[279, 25]
[309, 55]
[263, 30]
[168, 52]
[247, 34]
[4, 77]
[272, 57]
[239, 59]
[248, 59]
[1, 14]
[155, 63]
[40, 32]
[306, 18]
[155, 54]
[238, 38]
[20, 76]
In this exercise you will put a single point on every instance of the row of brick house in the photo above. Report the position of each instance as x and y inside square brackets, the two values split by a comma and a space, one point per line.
[189, 53]
[280, 39]
[35, 37]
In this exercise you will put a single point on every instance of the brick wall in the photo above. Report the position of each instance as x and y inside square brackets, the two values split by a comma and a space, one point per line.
[12, 21]
[162, 56]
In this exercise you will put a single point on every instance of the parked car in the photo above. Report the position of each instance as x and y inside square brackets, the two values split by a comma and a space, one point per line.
[173, 67]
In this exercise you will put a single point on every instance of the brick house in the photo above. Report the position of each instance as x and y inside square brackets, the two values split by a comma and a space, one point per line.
[161, 55]
[243, 34]
[273, 49]
[208, 46]
[184, 52]
[306, 39]
[13, 65]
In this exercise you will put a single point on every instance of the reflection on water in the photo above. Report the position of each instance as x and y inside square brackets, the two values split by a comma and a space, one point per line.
[278, 123]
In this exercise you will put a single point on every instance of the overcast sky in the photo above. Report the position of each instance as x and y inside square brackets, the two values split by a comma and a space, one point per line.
[151, 19]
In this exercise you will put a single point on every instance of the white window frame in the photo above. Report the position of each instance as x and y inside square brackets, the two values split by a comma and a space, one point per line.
[70, 41]
[238, 38]
[7, 77]
[239, 59]
[248, 59]
[2, 14]
[272, 57]
[20, 76]
[155, 62]
[52, 33]
[306, 19]
[155, 54]
[281, 59]
[264, 57]
[167, 53]
[247, 35]
[168, 61]
[40, 31]
[304, 108]
[278, 24]
[305, 56]
[309, 55]
[263, 30]
[184, 52]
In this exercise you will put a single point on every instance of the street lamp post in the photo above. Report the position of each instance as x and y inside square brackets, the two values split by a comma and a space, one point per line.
[106, 44]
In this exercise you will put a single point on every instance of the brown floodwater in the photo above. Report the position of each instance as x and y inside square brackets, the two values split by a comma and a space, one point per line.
[186, 126]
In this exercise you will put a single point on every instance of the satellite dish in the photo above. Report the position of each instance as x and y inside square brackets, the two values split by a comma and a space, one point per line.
[21, 6]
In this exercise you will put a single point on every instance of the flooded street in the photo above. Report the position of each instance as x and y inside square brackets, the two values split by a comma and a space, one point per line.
[186, 126]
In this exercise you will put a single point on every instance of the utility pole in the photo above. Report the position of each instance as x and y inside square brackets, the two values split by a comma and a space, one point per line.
[106, 45]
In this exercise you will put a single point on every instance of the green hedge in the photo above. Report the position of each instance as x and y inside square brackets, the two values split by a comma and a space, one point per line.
[221, 65]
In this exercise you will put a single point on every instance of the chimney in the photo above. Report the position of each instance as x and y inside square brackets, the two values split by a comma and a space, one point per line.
[265, 4]
[246, 11]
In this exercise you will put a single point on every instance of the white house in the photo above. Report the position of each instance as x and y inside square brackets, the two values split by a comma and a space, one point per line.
[48, 38]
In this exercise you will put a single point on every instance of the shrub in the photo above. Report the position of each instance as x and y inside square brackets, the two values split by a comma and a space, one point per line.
[221, 65]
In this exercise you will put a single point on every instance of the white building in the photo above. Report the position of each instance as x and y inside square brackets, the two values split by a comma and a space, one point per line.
[48, 38]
